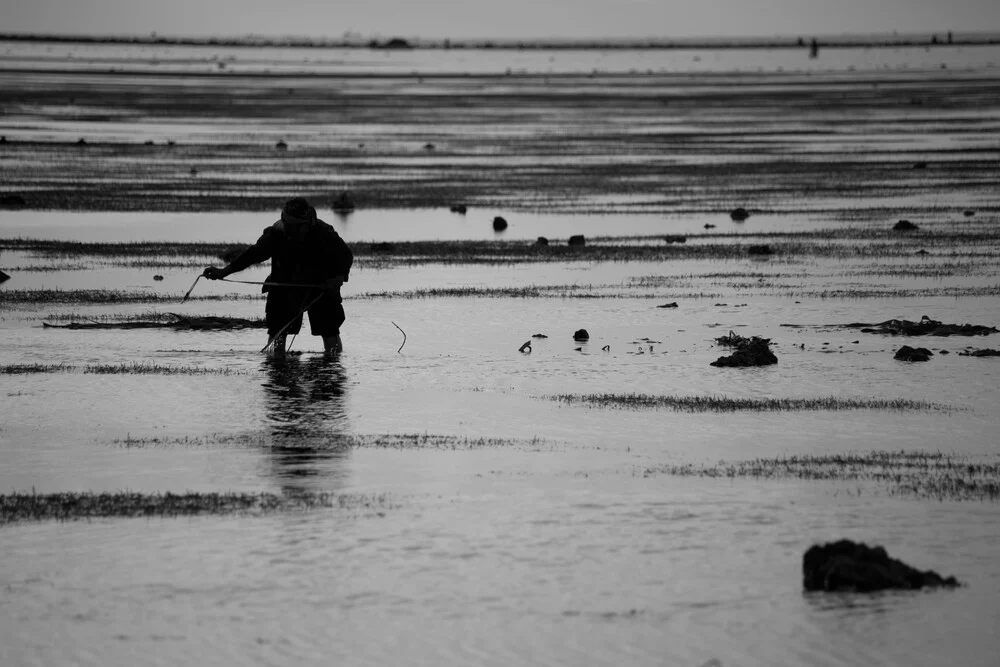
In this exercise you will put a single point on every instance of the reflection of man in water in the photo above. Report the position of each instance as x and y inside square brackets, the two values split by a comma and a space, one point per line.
[306, 415]
[303, 250]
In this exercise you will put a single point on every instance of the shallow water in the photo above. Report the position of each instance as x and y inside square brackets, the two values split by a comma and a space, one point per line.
[491, 524]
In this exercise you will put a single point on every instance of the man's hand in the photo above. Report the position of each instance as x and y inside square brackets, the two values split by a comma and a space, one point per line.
[214, 273]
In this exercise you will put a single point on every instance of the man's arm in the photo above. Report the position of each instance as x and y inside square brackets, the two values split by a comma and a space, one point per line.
[259, 252]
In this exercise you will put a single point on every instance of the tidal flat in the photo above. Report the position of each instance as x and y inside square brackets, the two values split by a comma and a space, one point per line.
[443, 488]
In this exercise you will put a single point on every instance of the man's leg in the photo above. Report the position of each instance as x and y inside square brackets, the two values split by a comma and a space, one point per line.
[333, 345]
[278, 347]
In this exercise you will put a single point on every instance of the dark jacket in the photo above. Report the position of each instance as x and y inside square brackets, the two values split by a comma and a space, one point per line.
[311, 258]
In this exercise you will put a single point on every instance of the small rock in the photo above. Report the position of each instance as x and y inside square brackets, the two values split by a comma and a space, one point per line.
[3, 277]
[12, 201]
[904, 226]
[577, 240]
[709, 225]
[3, 139]
[461, 208]
[672, 304]
[281, 146]
[539, 335]
[81, 142]
[739, 214]
[581, 335]
[850, 566]
[907, 353]
[968, 213]
[499, 224]
[428, 147]
[157, 277]
[542, 241]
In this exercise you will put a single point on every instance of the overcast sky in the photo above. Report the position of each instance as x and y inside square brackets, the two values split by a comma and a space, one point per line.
[497, 18]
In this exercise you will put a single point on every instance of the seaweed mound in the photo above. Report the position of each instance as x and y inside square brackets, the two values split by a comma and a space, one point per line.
[754, 351]
[851, 566]
[980, 353]
[925, 327]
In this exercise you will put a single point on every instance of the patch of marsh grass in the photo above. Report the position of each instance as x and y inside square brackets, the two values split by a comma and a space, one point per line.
[134, 368]
[23, 507]
[331, 442]
[923, 474]
[105, 296]
[733, 404]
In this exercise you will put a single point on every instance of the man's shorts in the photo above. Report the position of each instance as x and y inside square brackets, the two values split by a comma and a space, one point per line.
[284, 306]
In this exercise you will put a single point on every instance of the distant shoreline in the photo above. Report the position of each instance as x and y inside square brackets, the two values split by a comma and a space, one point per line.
[397, 43]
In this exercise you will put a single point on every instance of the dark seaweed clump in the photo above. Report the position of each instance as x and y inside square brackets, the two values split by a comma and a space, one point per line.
[754, 351]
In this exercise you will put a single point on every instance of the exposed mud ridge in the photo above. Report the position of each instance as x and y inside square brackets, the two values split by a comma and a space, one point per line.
[180, 323]
[929, 475]
[24, 507]
[480, 145]
[925, 327]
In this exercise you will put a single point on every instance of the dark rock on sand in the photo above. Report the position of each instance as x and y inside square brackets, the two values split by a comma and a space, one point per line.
[81, 142]
[968, 213]
[281, 146]
[461, 208]
[397, 43]
[577, 240]
[542, 241]
[760, 250]
[581, 335]
[753, 351]
[343, 203]
[499, 224]
[3, 277]
[907, 353]
[904, 226]
[12, 201]
[925, 327]
[675, 238]
[157, 277]
[672, 304]
[539, 335]
[972, 353]
[854, 566]
[709, 225]
[739, 214]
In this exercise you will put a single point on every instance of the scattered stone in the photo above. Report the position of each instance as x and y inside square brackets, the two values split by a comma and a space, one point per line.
[581, 335]
[3, 277]
[539, 335]
[281, 146]
[461, 208]
[973, 353]
[739, 214]
[925, 327]
[157, 277]
[526, 348]
[854, 566]
[343, 203]
[499, 224]
[672, 304]
[577, 240]
[907, 353]
[12, 201]
[753, 351]
[675, 238]
[944, 352]
[760, 250]
[81, 142]
[904, 226]
[578, 349]
[968, 213]
[542, 241]
[709, 225]
[428, 147]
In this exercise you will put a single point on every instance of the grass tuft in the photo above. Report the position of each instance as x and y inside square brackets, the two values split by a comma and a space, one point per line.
[732, 404]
